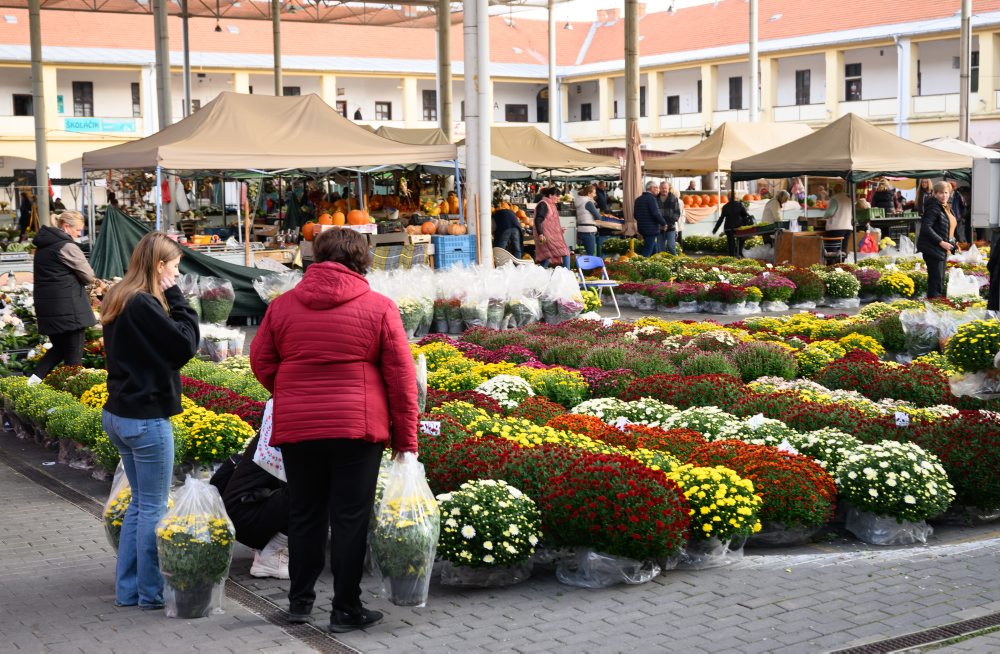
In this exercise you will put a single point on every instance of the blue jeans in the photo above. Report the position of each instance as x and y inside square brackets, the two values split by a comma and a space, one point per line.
[589, 242]
[668, 241]
[147, 449]
[565, 262]
[510, 240]
[649, 243]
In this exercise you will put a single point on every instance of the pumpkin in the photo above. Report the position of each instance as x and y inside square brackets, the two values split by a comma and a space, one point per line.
[705, 199]
[695, 200]
[338, 218]
[356, 217]
[340, 205]
[428, 227]
[457, 230]
[687, 200]
[325, 219]
[307, 230]
[443, 227]
[375, 202]
[452, 202]
[444, 207]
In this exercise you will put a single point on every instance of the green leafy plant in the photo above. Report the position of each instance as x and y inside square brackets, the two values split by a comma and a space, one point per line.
[194, 549]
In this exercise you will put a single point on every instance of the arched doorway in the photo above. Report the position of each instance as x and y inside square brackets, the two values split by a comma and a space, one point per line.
[542, 106]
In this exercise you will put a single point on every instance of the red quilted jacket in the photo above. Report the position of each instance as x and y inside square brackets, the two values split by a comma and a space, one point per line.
[334, 355]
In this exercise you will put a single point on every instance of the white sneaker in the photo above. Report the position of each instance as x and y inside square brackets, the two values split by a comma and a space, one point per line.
[34, 379]
[272, 563]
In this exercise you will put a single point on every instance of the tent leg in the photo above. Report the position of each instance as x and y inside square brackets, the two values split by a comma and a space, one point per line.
[458, 190]
[159, 197]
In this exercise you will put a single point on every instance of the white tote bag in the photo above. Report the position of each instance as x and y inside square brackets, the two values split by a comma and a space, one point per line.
[267, 457]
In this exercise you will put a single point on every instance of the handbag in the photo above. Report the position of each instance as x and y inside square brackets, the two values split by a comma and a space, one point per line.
[747, 221]
[267, 456]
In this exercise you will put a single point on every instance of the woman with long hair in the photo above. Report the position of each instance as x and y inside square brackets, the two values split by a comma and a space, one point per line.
[62, 308]
[937, 237]
[150, 332]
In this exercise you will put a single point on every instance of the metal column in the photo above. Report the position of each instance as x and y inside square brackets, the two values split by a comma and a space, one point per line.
[41, 189]
[554, 105]
[276, 29]
[631, 64]
[444, 67]
[161, 34]
[485, 218]
[754, 65]
[470, 33]
[187, 58]
[965, 59]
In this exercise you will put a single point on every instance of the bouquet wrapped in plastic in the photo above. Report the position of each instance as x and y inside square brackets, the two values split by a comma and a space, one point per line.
[116, 506]
[188, 284]
[217, 299]
[405, 534]
[194, 541]
[269, 287]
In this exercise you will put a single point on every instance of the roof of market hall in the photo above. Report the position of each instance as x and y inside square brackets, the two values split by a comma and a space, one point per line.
[703, 32]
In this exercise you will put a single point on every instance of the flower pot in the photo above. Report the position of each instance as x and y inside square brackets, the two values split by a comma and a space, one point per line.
[885, 530]
[495, 576]
[408, 590]
[440, 326]
[776, 534]
[705, 553]
[193, 602]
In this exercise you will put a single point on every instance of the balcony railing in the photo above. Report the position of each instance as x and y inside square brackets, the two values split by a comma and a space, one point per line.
[17, 125]
[881, 108]
[731, 116]
[681, 121]
[945, 103]
[800, 113]
[583, 129]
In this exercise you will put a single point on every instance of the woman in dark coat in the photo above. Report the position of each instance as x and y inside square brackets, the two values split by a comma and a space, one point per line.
[937, 237]
[24, 213]
[733, 216]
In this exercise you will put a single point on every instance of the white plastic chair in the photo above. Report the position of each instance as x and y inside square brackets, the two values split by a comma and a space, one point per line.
[586, 262]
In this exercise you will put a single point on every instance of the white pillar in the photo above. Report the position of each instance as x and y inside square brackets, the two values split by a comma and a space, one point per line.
[412, 108]
[148, 96]
[903, 73]
[38, 103]
[965, 60]
[186, 45]
[276, 36]
[553, 89]
[754, 85]
[470, 31]
[162, 39]
[485, 91]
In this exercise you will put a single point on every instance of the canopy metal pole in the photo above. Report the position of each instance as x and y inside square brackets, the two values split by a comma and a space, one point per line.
[754, 83]
[276, 29]
[162, 62]
[458, 190]
[444, 66]
[484, 217]
[965, 59]
[38, 106]
[470, 30]
[553, 105]
[158, 194]
[187, 58]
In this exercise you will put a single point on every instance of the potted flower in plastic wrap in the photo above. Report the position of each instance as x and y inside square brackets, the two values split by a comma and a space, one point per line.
[217, 299]
[893, 488]
[194, 541]
[405, 534]
[489, 533]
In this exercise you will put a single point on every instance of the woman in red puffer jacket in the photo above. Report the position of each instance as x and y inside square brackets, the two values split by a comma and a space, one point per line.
[334, 355]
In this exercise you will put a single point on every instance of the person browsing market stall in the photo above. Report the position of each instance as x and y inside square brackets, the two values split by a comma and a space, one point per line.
[937, 237]
[670, 209]
[506, 230]
[733, 216]
[839, 218]
[586, 217]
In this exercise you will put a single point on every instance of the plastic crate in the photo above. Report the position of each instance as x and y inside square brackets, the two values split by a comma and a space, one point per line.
[452, 250]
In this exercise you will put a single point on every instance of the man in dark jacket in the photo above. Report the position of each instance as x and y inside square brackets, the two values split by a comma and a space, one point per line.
[648, 219]
[993, 266]
[670, 209]
[602, 197]
[732, 216]
[506, 230]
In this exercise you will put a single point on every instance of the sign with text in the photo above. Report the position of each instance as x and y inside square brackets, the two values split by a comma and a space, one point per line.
[88, 124]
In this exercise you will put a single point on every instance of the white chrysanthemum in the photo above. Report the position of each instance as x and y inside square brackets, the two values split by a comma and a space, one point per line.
[873, 492]
[488, 558]
[488, 545]
[909, 499]
[468, 532]
[514, 531]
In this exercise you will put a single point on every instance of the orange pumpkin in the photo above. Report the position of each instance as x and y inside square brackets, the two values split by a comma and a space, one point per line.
[747, 197]
[429, 227]
[444, 207]
[375, 202]
[325, 219]
[452, 202]
[356, 217]
[338, 218]
[457, 230]
[705, 199]
[695, 200]
[307, 230]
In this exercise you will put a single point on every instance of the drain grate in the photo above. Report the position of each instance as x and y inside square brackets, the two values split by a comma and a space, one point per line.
[308, 634]
[926, 637]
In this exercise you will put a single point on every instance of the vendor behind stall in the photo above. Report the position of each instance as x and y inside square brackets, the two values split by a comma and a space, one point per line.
[838, 217]
[506, 230]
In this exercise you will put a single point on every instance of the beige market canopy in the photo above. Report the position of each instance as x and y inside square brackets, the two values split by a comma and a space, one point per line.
[238, 131]
[729, 142]
[417, 136]
[530, 147]
[854, 149]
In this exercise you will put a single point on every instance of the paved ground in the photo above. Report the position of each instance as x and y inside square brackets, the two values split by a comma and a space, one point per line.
[56, 572]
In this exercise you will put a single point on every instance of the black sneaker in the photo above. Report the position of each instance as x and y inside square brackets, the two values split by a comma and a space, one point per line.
[300, 613]
[344, 621]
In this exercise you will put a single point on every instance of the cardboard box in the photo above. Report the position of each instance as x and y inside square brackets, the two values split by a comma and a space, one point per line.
[265, 230]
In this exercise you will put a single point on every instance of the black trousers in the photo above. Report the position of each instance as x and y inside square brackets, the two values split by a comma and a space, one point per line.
[66, 348]
[331, 483]
[845, 245]
[935, 276]
[258, 521]
[734, 246]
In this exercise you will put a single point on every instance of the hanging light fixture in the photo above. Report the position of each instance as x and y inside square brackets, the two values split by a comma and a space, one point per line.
[218, 14]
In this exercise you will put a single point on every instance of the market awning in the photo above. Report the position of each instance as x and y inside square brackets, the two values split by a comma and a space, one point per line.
[499, 168]
[530, 147]
[237, 131]
[852, 148]
[415, 136]
[729, 142]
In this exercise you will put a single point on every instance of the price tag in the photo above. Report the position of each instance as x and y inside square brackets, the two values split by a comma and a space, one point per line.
[765, 274]
[621, 422]
[430, 427]
[756, 421]
[715, 269]
[902, 419]
[785, 446]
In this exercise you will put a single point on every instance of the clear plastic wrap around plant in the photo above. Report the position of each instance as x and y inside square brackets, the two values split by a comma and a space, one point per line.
[421, 382]
[843, 302]
[116, 506]
[404, 539]
[188, 285]
[968, 516]
[802, 305]
[776, 305]
[920, 329]
[495, 313]
[269, 287]
[217, 298]
[645, 303]
[960, 284]
[523, 311]
[880, 530]
[590, 569]
[703, 554]
[980, 385]
[775, 534]
[492, 577]
[194, 541]
[688, 307]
